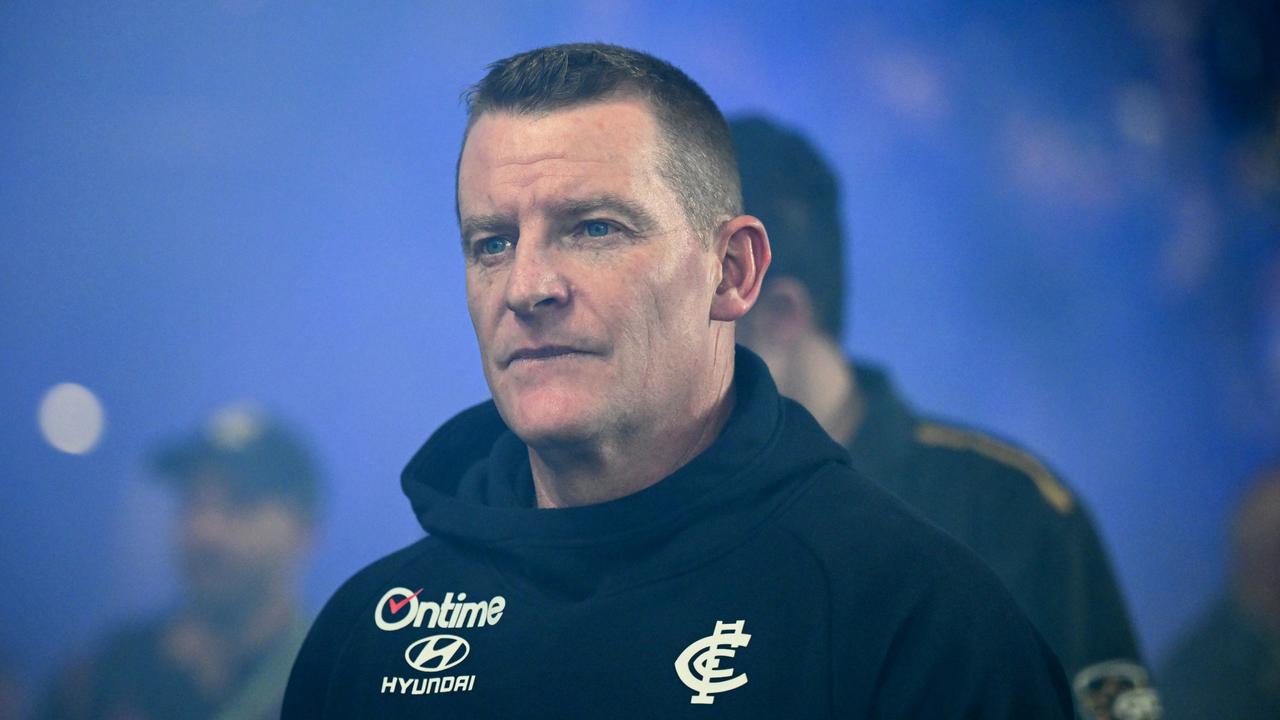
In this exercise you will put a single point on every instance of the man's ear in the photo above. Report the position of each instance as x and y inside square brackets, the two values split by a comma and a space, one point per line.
[743, 247]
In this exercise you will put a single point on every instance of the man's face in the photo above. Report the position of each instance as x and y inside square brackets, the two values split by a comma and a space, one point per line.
[589, 292]
[233, 548]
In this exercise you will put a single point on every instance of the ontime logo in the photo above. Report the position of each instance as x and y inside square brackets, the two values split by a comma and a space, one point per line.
[401, 607]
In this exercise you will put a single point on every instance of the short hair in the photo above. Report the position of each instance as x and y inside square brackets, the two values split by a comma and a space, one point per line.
[697, 156]
[793, 190]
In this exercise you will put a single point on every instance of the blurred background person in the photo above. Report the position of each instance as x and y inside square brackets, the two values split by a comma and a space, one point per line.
[995, 497]
[249, 493]
[1228, 663]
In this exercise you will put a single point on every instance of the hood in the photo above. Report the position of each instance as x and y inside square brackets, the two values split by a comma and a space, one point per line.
[471, 485]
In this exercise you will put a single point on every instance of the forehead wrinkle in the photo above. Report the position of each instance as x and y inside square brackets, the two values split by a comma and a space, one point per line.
[530, 161]
[558, 187]
[523, 175]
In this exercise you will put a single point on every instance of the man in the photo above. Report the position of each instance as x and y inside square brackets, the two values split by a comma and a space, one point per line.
[1228, 664]
[637, 525]
[249, 494]
[998, 499]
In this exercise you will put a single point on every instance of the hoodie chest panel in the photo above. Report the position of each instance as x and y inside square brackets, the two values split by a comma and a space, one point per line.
[744, 636]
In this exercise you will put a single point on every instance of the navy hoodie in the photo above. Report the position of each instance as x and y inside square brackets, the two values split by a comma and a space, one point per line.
[764, 579]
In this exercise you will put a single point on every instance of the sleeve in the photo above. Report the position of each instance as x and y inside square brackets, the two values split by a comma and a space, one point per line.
[1058, 570]
[1037, 535]
[971, 657]
[1072, 596]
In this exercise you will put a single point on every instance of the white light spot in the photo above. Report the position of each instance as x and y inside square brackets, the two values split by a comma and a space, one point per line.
[235, 426]
[71, 418]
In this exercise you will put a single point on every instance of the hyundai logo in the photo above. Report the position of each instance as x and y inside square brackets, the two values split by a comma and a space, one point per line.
[436, 653]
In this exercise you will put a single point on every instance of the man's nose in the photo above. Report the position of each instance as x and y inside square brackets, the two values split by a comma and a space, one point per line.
[536, 283]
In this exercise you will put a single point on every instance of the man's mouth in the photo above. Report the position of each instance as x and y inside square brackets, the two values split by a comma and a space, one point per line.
[545, 352]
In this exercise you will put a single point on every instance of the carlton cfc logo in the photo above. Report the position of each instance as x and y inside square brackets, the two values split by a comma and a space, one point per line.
[436, 653]
[699, 665]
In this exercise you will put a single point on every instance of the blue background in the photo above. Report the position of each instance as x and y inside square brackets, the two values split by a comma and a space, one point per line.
[205, 202]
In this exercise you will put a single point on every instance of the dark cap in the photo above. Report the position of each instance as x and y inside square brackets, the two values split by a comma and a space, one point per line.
[251, 451]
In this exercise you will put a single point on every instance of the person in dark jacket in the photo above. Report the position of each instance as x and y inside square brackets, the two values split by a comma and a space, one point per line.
[638, 525]
[249, 492]
[995, 497]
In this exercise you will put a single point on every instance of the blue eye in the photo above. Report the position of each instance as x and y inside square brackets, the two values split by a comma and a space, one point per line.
[597, 228]
[493, 246]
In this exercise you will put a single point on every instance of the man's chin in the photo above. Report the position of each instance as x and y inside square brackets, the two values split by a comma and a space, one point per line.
[549, 419]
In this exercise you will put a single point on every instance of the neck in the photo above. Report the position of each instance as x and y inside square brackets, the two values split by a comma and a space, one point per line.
[250, 625]
[632, 458]
[815, 373]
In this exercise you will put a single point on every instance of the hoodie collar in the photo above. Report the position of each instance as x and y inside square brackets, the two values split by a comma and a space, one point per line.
[471, 480]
